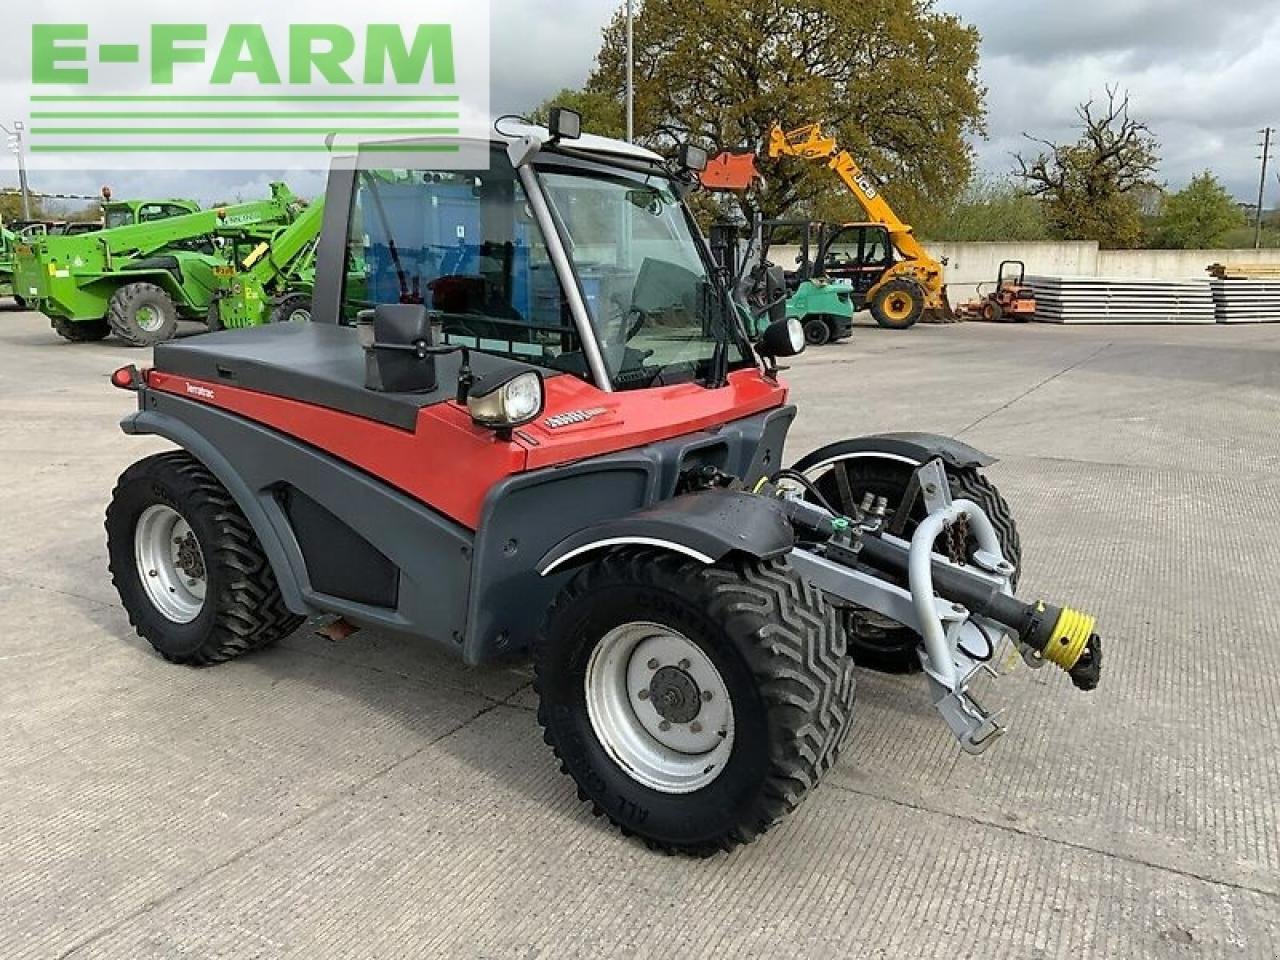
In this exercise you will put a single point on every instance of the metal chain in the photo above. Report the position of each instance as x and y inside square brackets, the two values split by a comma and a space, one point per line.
[958, 539]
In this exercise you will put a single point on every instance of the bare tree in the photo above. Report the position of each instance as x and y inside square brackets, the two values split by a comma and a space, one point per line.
[1092, 188]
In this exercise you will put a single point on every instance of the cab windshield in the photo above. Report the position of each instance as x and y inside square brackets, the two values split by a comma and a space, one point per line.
[657, 313]
[118, 217]
[466, 244]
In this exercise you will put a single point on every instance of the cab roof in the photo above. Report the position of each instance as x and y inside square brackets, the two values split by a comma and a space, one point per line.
[508, 131]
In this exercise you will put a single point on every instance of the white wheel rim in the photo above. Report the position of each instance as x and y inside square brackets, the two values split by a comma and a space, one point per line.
[300, 316]
[660, 708]
[171, 563]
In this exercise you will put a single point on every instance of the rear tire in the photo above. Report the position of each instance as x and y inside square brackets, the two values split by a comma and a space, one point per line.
[143, 315]
[877, 643]
[758, 636]
[898, 305]
[188, 567]
[294, 308]
[85, 331]
[992, 312]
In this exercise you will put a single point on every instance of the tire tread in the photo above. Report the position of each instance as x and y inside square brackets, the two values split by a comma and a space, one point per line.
[800, 667]
[250, 612]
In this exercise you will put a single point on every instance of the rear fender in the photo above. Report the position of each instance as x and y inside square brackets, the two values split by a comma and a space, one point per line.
[911, 449]
[706, 527]
[283, 563]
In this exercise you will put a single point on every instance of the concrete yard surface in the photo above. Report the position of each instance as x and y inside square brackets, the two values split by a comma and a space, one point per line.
[375, 799]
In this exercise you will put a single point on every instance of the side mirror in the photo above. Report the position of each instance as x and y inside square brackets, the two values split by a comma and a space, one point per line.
[399, 355]
[564, 124]
[782, 338]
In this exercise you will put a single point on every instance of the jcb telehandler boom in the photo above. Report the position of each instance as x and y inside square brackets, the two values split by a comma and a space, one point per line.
[898, 289]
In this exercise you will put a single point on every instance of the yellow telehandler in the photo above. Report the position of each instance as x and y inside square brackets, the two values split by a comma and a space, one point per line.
[892, 274]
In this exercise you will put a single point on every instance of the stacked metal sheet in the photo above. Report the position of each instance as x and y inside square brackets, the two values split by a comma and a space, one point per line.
[1122, 300]
[1247, 301]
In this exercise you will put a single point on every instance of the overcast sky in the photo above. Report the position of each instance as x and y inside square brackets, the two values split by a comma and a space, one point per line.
[1203, 74]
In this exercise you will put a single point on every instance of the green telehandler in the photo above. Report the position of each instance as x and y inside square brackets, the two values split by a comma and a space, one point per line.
[274, 281]
[137, 281]
[8, 240]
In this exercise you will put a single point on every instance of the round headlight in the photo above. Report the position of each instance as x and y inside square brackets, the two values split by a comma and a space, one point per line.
[522, 398]
[795, 330]
[513, 403]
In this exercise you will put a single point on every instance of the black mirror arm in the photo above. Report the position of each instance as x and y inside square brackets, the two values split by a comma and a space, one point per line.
[466, 378]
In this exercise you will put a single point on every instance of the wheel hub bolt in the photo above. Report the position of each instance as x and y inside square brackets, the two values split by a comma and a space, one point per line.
[664, 725]
[706, 696]
[653, 664]
[695, 727]
[643, 694]
[685, 664]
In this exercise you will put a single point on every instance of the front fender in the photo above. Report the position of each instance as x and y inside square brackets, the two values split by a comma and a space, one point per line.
[909, 448]
[706, 526]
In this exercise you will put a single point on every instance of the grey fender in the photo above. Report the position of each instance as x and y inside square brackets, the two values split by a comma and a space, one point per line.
[170, 428]
[908, 448]
[706, 527]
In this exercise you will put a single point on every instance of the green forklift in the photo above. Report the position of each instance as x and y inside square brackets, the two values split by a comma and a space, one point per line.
[823, 307]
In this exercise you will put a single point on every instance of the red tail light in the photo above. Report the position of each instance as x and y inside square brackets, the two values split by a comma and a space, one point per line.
[128, 378]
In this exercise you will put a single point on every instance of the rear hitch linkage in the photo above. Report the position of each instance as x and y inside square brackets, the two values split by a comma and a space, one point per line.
[965, 613]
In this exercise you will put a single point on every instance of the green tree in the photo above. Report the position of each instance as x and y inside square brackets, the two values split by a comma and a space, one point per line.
[602, 114]
[1093, 189]
[894, 80]
[11, 206]
[1201, 215]
[989, 209]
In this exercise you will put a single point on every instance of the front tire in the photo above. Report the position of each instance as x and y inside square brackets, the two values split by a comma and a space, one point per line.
[898, 305]
[876, 642]
[817, 332]
[294, 308]
[188, 567]
[757, 699]
[143, 315]
[85, 331]
[21, 302]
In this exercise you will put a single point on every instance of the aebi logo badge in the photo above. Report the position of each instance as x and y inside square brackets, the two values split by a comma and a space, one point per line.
[255, 89]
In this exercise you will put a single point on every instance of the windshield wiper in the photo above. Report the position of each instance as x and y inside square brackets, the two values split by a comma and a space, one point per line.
[718, 370]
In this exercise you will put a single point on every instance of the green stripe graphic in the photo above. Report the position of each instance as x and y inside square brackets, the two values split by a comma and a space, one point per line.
[240, 131]
[241, 99]
[238, 115]
[240, 148]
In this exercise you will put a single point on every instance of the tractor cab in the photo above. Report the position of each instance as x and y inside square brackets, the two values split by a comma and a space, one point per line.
[856, 253]
[126, 213]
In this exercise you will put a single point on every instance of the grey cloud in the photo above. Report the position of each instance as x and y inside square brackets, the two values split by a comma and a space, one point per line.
[1201, 74]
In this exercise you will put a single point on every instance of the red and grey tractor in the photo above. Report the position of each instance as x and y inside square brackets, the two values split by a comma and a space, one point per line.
[533, 422]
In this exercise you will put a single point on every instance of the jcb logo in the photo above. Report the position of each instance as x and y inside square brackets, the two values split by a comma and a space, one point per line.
[867, 186]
